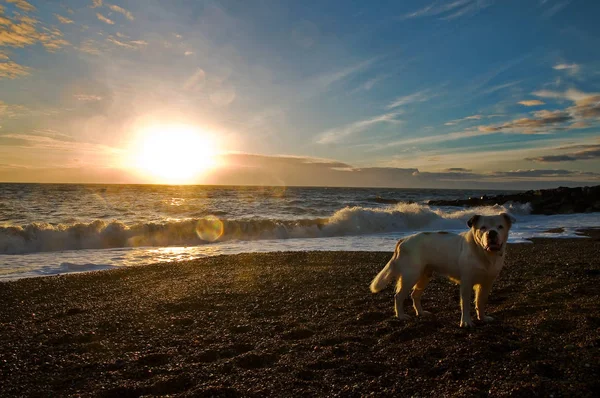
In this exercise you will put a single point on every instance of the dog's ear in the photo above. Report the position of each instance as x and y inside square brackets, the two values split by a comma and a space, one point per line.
[473, 220]
[509, 219]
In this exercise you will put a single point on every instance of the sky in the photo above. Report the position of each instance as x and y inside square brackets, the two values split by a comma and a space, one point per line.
[413, 94]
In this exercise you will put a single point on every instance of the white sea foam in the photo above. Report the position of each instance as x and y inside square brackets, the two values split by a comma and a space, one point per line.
[52, 263]
[349, 221]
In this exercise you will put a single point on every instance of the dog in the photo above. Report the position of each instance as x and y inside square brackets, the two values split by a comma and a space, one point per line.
[473, 259]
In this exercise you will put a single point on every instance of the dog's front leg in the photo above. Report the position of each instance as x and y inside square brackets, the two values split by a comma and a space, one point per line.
[465, 304]
[481, 296]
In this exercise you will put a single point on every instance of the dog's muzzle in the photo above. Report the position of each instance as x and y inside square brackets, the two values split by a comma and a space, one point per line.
[492, 242]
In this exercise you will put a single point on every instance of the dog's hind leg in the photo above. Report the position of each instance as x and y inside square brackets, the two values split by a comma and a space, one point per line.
[418, 292]
[406, 282]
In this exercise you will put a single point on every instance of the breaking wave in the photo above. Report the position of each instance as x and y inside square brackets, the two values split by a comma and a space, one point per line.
[100, 234]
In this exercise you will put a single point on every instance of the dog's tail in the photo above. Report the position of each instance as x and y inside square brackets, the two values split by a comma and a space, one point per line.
[385, 276]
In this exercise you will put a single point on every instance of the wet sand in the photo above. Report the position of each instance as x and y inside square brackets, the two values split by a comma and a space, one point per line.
[290, 324]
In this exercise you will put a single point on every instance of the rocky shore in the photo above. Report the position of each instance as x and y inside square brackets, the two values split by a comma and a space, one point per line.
[560, 200]
[302, 324]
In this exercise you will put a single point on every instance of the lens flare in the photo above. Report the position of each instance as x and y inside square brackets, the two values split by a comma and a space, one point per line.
[209, 228]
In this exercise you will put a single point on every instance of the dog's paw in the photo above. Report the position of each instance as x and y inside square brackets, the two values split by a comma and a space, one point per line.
[466, 324]
[424, 313]
[486, 318]
[403, 317]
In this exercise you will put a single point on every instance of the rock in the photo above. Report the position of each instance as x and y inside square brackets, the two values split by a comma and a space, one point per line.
[561, 200]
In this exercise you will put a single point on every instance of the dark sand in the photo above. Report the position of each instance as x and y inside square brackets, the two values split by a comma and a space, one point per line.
[287, 324]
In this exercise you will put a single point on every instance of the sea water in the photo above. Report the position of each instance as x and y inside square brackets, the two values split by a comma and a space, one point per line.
[48, 229]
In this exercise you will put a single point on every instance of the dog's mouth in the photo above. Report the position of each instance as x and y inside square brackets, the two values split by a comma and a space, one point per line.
[493, 247]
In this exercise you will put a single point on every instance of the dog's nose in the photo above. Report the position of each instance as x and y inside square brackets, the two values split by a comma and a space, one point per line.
[493, 234]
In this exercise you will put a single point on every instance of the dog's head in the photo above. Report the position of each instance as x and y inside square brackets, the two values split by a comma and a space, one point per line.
[491, 232]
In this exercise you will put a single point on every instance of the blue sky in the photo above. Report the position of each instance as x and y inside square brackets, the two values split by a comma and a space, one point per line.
[457, 93]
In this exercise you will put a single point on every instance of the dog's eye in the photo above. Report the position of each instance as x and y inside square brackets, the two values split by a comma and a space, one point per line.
[482, 228]
[500, 226]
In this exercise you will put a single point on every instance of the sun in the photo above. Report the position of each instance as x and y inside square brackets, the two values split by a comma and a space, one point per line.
[174, 154]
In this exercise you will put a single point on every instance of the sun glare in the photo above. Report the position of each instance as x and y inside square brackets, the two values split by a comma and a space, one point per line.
[174, 154]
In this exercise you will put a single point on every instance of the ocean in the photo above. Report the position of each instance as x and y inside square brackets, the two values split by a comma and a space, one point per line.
[49, 229]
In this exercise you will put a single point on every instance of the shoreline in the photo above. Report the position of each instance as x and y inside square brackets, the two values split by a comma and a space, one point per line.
[293, 323]
[552, 233]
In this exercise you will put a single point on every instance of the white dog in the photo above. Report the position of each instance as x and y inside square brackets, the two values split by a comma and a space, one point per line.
[473, 259]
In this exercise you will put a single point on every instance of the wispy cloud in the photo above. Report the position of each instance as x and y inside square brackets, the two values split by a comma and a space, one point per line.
[435, 9]
[336, 134]
[540, 123]
[96, 3]
[87, 97]
[565, 66]
[22, 4]
[469, 118]
[63, 20]
[420, 96]
[532, 103]
[104, 19]
[571, 69]
[90, 47]
[452, 10]
[129, 44]
[570, 94]
[432, 139]
[370, 83]
[51, 140]
[8, 111]
[330, 78]
[456, 121]
[555, 8]
[499, 87]
[121, 10]
[471, 9]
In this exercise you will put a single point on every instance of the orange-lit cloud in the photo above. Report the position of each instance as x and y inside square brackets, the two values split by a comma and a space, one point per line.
[90, 47]
[532, 103]
[12, 70]
[22, 31]
[586, 110]
[543, 119]
[22, 4]
[10, 110]
[121, 10]
[63, 20]
[104, 19]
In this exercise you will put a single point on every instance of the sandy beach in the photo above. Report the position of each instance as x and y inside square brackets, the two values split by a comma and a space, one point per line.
[284, 324]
